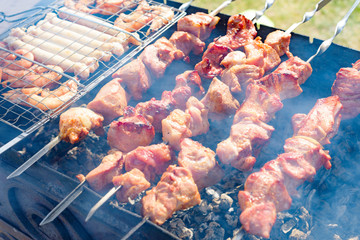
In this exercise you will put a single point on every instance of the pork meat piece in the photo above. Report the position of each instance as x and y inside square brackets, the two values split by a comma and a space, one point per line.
[246, 140]
[201, 162]
[238, 77]
[130, 131]
[136, 77]
[186, 42]
[199, 24]
[192, 79]
[76, 123]
[234, 58]
[262, 55]
[279, 40]
[209, 67]
[151, 160]
[159, 55]
[176, 127]
[132, 182]
[110, 166]
[219, 100]
[240, 31]
[175, 191]
[156, 110]
[199, 123]
[356, 65]
[322, 122]
[258, 104]
[301, 68]
[347, 87]
[110, 101]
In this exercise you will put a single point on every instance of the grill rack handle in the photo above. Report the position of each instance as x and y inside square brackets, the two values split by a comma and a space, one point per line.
[8, 18]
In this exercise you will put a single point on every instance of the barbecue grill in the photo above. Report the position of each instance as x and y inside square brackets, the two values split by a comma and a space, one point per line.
[327, 209]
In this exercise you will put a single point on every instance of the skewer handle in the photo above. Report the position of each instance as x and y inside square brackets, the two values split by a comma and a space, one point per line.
[221, 7]
[339, 27]
[35, 158]
[185, 6]
[308, 15]
[258, 14]
[63, 204]
[135, 228]
[101, 202]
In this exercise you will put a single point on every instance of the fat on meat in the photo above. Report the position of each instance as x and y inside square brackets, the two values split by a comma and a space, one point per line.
[201, 162]
[76, 123]
[175, 191]
[132, 184]
[110, 101]
[130, 131]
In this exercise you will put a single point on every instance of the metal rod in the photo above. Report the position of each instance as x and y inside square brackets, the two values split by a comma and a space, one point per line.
[108, 195]
[339, 27]
[185, 6]
[258, 14]
[221, 7]
[134, 229]
[63, 204]
[34, 158]
[308, 15]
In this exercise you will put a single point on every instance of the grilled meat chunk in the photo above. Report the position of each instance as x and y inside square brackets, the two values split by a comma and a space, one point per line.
[130, 131]
[234, 58]
[199, 123]
[110, 166]
[175, 191]
[201, 162]
[279, 40]
[76, 123]
[187, 42]
[132, 182]
[110, 101]
[199, 24]
[151, 160]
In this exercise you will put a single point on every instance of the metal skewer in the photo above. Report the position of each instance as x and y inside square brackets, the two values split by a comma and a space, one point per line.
[339, 27]
[258, 14]
[221, 7]
[308, 15]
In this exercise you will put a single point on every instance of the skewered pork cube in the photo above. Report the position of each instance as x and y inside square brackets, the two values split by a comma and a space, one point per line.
[301, 68]
[159, 55]
[347, 87]
[186, 42]
[234, 58]
[199, 24]
[321, 123]
[199, 123]
[175, 191]
[130, 131]
[245, 141]
[240, 31]
[219, 100]
[210, 67]
[156, 110]
[132, 182]
[136, 78]
[110, 166]
[279, 40]
[151, 160]
[201, 162]
[110, 101]
[76, 123]
[262, 55]
[192, 79]
[258, 104]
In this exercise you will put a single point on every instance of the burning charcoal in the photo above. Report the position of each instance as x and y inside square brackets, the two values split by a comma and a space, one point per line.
[297, 235]
[354, 238]
[305, 219]
[336, 237]
[231, 220]
[214, 232]
[212, 217]
[178, 227]
[225, 202]
[289, 225]
[211, 191]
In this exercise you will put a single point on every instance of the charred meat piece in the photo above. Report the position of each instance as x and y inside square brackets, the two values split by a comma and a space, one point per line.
[268, 191]
[110, 101]
[199, 24]
[201, 162]
[175, 191]
[130, 131]
[132, 182]
[186, 42]
[210, 67]
[159, 55]
[76, 123]
[347, 87]
[279, 40]
[110, 166]
[151, 160]
[219, 100]
[240, 31]
[136, 77]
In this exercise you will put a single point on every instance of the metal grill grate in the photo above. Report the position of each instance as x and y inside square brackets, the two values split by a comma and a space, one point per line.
[87, 47]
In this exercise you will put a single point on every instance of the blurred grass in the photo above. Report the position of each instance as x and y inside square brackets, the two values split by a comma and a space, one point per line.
[284, 13]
